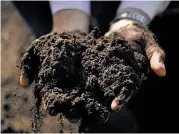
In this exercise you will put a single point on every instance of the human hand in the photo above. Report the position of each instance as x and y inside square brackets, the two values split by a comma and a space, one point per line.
[143, 41]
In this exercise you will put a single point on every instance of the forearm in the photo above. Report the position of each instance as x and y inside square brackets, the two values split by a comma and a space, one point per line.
[70, 15]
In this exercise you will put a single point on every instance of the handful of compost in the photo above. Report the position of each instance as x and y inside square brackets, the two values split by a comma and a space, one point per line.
[79, 75]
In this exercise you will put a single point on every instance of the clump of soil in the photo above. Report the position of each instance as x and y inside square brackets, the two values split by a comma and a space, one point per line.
[79, 75]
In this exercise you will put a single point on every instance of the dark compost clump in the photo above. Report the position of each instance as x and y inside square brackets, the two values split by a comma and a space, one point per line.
[79, 75]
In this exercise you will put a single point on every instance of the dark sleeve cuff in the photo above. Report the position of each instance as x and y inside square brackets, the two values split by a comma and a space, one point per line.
[131, 13]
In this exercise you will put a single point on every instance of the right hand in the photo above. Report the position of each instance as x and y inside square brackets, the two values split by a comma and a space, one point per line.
[143, 41]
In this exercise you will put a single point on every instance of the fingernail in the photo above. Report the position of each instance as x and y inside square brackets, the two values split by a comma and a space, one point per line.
[23, 81]
[163, 65]
[114, 105]
[157, 66]
[107, 34]
[162, 71]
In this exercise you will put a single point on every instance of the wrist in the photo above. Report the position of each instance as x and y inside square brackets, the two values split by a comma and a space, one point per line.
[71, 20]
[114, 27]
[151, 8]
[133, 14]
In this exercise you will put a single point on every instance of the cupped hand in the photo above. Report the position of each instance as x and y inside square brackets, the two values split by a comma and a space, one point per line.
[142, 40]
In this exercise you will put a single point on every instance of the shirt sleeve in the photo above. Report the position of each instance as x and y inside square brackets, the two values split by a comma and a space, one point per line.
[152, 8]
[61, 5]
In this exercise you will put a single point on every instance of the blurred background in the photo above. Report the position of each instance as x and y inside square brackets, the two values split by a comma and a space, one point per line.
[15, 100]
[15, 37]
[155, 106]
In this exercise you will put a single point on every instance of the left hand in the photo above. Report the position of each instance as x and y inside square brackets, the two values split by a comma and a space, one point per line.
[142, 40]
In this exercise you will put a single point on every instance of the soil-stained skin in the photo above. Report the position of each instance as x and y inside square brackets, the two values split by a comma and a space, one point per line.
[79, 75]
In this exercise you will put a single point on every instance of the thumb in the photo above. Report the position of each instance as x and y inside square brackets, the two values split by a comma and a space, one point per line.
[155, 54]
[157, 64]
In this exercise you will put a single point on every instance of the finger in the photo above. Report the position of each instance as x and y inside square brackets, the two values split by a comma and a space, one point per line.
[115, 105]
[29, 67]
[24, 81]
[121, 100]
[107, 34]
[155, 54]
[157, 65]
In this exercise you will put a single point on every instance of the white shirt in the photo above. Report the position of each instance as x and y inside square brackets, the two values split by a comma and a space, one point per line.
[152, 8]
